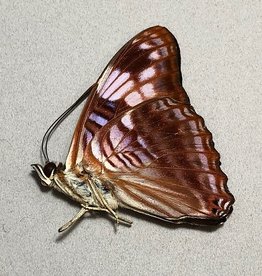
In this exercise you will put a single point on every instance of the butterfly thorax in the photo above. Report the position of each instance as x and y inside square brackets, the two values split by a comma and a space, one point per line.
[84, 187]
[79, 184]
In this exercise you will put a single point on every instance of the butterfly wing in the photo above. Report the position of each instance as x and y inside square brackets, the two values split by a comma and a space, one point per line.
[139, 133]
[160, 160]
[146, 67]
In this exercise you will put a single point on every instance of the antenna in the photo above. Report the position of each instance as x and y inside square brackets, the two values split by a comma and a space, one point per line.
[59, 120]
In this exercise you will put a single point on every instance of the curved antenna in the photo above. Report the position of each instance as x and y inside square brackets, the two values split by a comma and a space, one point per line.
[59, 120]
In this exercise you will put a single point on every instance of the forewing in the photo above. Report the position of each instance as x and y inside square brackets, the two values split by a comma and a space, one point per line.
[160, 160]
[147, 67]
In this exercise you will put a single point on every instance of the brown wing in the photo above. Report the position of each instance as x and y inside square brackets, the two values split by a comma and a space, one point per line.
[147, 67]
[138, 132]
[161, 161]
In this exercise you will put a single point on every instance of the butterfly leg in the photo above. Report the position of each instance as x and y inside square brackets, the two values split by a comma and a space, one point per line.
[102, 201]
[119, 219]
[73, 220]
[115, 216]
[85, 209]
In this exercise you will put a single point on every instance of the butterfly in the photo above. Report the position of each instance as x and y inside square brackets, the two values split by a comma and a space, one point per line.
[139, 144]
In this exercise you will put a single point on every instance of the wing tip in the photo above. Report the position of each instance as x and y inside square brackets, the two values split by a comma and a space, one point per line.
[153, 29]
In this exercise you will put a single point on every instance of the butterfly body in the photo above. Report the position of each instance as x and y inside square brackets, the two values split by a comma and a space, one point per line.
[139, 144]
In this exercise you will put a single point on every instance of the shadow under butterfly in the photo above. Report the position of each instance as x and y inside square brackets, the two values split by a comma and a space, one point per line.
[139, 144]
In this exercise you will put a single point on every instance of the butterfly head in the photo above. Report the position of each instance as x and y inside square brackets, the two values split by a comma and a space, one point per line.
[69, 182]
[46, 173]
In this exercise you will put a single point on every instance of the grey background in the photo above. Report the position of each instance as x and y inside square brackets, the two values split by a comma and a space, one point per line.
[51, 51]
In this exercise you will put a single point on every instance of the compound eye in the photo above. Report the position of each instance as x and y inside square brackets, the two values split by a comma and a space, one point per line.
[49, 168]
